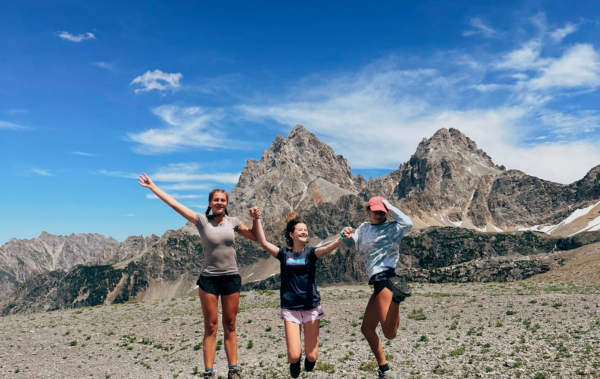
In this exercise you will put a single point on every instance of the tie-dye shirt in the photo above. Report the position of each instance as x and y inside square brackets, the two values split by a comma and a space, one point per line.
[378, 245]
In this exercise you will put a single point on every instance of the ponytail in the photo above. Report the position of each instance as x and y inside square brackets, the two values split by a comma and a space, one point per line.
[292, 220]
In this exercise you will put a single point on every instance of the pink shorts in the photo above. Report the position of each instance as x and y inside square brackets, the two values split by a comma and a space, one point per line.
[302, 317]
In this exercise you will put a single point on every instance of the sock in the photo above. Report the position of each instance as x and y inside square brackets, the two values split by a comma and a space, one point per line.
[208, 369]
[384, 368]
[308, 365]
[232, 367]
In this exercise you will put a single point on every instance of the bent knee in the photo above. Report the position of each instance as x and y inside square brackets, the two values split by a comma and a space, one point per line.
[390, 335]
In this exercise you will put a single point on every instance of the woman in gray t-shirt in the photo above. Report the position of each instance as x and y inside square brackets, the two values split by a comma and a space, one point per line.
[220, 275]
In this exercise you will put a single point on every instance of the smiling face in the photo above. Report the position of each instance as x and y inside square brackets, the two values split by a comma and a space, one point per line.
[218, 203]
[300, 234]
[376, 217]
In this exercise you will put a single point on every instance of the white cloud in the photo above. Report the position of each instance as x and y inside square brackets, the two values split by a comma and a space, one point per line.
[189, 172]
[186, 187]
[524, 58]
[157, 80]
[17, 111]
[118, 174]
[184, 175]
[480, 28]
[83, 154]
[129, 215]
[177, 196]
[579, 122]
[377, 117]
[578, 67]
[75, 38]
[185, 127]
[42, 172]
[10, 125]
[561, 33]
[104, 65]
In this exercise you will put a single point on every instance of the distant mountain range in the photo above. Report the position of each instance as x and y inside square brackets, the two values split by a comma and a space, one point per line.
[465, 209]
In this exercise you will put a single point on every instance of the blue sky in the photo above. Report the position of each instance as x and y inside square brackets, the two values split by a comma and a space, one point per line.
[94, 93]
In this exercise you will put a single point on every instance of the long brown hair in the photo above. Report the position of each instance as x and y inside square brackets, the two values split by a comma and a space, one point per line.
[210, 196]
[292, 220]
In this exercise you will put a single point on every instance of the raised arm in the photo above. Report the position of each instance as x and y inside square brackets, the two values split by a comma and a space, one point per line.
[186, 212]
[404, 222]
[259, 233]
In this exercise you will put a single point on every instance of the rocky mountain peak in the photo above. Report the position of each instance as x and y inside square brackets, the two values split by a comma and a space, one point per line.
[279, 181]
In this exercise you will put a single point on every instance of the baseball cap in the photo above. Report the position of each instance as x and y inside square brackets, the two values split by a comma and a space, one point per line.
[376, 204]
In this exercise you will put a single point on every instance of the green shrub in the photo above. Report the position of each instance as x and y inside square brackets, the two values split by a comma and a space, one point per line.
[417, 314]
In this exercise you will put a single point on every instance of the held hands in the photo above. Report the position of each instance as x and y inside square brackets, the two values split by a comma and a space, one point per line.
[145, 181]
[346, 233]
[254, 213]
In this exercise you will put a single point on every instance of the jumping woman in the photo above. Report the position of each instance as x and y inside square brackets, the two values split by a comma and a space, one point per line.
[378, 243]
[300, 300]
[219, 276]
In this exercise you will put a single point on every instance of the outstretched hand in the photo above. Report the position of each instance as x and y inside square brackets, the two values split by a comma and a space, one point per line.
[145, 181]
[254, 213]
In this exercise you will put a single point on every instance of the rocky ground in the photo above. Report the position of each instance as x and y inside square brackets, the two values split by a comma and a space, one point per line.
[524, 329]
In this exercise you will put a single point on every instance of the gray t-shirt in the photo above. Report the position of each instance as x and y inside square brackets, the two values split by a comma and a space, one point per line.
[217, 241]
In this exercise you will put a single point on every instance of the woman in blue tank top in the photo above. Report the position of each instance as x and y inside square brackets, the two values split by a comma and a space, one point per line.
[300, 299]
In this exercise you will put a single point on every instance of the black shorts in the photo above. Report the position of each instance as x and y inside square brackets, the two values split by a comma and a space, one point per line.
[381, 281]
[220, 285]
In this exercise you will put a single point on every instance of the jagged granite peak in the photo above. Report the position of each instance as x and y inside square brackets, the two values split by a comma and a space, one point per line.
[278, 182]
[20, 259]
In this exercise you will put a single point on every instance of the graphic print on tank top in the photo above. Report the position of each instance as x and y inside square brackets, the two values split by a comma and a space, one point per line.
[298, 282]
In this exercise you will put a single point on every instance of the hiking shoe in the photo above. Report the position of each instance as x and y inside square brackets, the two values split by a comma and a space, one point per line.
[295, 369]
[308, 365]
[234, 374]
[389, 374]
[209, 374]
[400, 289]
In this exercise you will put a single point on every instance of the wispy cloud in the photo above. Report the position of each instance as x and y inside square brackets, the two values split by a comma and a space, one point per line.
[561, 33]
[403, 106]
[83, 154]
[118, 174]
[42, 172]
[75, 38]
[189, 172]
[175, 195]
[157, 80]
[10, 125]
[129, 215]
[185, 127]
[17, 111]
[104, 65]
[186, 187]
[574, 123]
[480, 28]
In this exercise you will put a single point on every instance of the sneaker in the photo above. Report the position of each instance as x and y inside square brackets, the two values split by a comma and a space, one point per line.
[234, 374]
[295, 369]
[209, 374]
[400, 289]
[389, 374]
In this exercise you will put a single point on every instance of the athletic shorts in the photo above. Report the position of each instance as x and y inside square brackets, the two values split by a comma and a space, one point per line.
[302, 317]
[381, 281]
[220, 285]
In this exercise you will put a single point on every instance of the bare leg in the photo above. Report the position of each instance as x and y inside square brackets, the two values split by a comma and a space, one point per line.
[380, 309]
[230, 304]
[210, 310]
[311, 340]
[292, 340]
